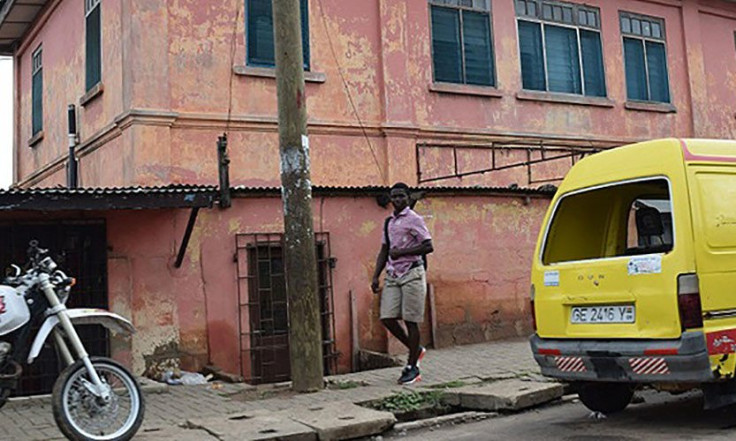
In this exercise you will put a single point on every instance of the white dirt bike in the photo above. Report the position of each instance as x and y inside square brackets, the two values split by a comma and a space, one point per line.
[94, 398]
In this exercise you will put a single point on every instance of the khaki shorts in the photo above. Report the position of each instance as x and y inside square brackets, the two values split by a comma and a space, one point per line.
[403, 297]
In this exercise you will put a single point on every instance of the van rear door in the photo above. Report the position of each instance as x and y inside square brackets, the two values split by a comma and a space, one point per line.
[609, 262]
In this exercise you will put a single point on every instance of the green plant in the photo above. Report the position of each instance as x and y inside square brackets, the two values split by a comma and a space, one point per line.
[408, 401]
[449, 384]
[340, 385]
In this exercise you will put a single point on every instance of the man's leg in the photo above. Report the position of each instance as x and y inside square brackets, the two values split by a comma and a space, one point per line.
[396, 330]
[413, 342]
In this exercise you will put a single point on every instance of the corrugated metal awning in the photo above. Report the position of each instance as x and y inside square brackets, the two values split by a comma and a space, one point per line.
[124, 198]
[16, 17]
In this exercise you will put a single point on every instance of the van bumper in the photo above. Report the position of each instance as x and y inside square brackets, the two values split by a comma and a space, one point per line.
[639, 361]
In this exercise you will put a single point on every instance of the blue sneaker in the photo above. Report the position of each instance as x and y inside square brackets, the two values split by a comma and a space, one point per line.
[410, 376]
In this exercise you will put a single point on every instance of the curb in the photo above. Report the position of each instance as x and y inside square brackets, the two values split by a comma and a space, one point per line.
[462, 417]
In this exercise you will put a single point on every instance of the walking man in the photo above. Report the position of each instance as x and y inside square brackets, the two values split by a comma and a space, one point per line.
[405, 240]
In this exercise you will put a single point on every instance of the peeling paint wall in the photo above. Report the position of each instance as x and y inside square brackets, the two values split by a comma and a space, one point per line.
[175, 78]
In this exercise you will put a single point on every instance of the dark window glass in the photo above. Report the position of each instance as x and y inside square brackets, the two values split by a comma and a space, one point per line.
[461, 46]
[37, 101]
[446, 45]
[595, 79]
[93, 53]
[530, 46]
[569, 59]
[477, 44]
[259, 33]
[636, 74]
[563, 63]
[657, 65]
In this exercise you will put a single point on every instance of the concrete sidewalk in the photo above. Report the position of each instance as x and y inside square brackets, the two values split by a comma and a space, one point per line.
[169, 408]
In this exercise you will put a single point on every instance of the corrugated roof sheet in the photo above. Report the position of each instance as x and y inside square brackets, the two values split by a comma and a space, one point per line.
[170, 189]
[545, 190]
[115, 198]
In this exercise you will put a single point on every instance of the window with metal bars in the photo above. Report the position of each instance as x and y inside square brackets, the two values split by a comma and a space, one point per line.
[37, 91]
[259, 33]
[93, 43]
[462, 49]
[645, 58]
[560, 47]
[263, 306]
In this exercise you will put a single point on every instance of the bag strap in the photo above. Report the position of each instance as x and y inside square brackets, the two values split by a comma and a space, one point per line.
[385, 231]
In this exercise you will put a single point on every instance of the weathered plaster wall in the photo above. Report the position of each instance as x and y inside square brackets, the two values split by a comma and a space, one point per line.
[479, 271]
[170, 79]
[720, 73]
[62, 37]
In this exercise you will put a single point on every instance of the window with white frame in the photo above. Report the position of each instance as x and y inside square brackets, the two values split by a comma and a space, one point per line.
[37, 91]
[462, 49]
[93, 43]
[560, 47]
[645, 58]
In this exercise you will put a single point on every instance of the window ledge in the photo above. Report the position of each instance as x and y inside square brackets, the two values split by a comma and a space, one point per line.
[465, 89]
[91, 94]
[563, 98]
[35, 139]
[650, 106]
[266, 72]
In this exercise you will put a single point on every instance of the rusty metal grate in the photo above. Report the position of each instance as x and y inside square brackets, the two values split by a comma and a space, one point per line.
[263, 306]
[439, 162]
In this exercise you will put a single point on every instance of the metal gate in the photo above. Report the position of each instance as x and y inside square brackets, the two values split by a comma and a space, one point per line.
[80, 248]
[263, 306]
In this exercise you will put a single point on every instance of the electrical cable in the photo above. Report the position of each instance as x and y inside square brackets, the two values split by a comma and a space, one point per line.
[347, 90]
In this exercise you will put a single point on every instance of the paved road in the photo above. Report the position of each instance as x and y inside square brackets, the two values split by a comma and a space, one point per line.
[662, 417]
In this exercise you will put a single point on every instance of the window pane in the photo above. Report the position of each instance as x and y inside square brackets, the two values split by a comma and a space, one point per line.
[582, 18]
[595, 82]
[93, 64]
[636, 26]
[563, 64]
[37, 102]
[625, 24]
[656, 30]
[477, 42]
[636, 79]
[547, 12]
[446, 44]
[260, 33]
[305, 32]
[520, 7]
[567, 15]
[592, 19]
[657, 64]
[646, 29]
[532, 63]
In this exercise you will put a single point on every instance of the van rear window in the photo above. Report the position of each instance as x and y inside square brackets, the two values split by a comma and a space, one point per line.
[618, 220]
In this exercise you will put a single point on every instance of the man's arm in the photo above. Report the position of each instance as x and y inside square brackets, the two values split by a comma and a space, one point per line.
[380, 264]
[423, 248]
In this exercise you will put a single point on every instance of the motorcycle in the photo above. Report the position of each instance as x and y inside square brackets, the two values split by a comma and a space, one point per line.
[94, 398]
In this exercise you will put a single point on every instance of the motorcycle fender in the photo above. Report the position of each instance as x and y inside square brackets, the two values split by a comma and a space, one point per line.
[86, 316]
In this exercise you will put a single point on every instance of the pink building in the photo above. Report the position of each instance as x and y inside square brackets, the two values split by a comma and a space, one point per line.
[477, 103]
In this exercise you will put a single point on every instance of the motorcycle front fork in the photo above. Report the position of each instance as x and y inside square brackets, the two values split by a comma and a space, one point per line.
[66, 324]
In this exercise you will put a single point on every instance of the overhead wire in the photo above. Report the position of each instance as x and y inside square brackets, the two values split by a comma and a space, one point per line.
[347, 90]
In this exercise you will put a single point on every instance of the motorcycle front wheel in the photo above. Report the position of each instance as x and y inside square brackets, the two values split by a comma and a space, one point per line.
[83, 416]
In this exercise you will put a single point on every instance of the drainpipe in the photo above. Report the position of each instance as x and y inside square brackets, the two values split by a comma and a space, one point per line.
[71, 166]
[223, 171]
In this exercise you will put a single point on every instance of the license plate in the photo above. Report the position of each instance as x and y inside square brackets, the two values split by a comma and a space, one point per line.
[603, 314]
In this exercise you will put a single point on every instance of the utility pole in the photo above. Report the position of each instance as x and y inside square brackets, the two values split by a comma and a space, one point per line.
[305, 330]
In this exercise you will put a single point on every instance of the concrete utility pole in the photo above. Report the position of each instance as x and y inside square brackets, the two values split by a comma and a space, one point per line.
[305, 334]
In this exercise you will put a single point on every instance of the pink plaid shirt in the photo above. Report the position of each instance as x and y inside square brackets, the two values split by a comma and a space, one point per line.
[405, 230]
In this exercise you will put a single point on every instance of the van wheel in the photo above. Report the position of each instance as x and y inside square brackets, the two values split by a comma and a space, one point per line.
[606, 397]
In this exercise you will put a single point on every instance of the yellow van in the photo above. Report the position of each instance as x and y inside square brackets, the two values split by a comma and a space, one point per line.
[634, 273]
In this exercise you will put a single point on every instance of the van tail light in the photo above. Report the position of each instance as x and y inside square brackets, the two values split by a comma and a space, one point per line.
[534, 314]
[688, 301]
